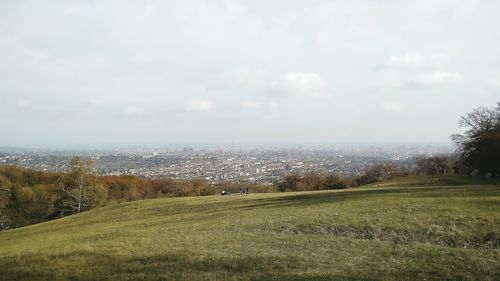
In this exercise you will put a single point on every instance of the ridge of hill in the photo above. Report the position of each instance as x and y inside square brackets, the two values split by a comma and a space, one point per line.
[438, 180]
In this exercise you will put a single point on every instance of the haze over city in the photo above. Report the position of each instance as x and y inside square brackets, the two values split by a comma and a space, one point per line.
[140, 73]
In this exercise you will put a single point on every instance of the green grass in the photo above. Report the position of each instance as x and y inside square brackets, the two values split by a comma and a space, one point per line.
[440, 180]
[389, 233]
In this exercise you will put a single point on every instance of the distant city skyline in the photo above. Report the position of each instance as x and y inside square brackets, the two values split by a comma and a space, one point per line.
[90, 74]
[219, 164]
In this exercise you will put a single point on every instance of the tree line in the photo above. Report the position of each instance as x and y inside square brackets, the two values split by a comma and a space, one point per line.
[28, 196]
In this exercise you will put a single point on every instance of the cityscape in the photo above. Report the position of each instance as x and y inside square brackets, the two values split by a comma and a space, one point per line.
[216, 165]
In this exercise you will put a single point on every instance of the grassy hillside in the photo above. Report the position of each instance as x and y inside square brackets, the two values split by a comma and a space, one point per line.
[440, 180]
[388, 233]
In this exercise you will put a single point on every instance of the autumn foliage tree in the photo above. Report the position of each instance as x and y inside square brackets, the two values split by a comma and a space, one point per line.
[5, 193]
[311, 181]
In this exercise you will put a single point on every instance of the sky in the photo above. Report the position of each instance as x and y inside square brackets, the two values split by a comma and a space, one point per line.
[115, 72]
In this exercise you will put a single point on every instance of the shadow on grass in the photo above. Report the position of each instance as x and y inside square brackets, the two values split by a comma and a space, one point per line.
[486, 241]
[91, 266]
[414, 192]
[83, 265]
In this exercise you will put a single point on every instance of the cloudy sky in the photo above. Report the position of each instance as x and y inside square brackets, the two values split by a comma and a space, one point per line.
[120, 72]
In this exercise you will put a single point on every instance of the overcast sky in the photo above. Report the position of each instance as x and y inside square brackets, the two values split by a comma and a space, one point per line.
[91, 73]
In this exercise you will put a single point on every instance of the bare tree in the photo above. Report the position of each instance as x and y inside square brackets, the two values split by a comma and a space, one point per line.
[478, 148]
[80, 188]
[436, 165]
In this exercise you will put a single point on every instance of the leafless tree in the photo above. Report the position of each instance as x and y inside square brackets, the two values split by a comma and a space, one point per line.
[80, 188]
[479, 146]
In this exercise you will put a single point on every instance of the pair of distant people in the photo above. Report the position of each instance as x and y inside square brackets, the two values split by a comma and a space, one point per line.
[242, 191]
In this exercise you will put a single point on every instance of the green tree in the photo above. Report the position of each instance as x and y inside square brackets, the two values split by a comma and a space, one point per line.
[80, 188]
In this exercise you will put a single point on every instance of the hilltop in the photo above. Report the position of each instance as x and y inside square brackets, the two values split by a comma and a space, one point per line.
[435, 232]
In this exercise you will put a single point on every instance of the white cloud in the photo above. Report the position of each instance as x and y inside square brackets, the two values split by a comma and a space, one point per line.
[238, 79]
[251, 105]
[453, 8]
[141, 59]
[412, 60]
[134, 111]
[419, 79]
[93, 101]
[306, 83]
[493, 83]
[199, 105]
[438, 78]
[258, 105]
[391, 106]
[24, 103]
[272, 104]
[242, 78]
[489, 88]
[323, 38]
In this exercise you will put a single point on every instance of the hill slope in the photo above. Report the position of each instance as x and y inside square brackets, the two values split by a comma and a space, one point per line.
[390, 233]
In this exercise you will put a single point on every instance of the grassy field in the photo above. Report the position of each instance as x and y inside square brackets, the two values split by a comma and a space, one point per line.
[388, 233]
